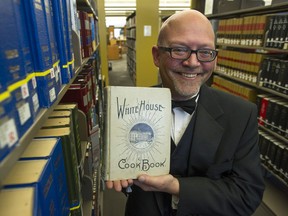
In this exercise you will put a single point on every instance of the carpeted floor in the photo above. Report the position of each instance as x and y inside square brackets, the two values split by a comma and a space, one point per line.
[119, 76]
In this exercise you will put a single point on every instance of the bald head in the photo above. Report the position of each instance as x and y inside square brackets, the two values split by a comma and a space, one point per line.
[184, 21]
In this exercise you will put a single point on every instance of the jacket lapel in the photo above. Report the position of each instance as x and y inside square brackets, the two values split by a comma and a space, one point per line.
[207, 132]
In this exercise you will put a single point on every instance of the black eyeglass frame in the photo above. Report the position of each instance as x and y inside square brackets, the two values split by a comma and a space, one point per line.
[169, 49]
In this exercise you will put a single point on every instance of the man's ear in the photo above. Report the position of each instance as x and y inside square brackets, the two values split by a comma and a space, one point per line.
[156, 55]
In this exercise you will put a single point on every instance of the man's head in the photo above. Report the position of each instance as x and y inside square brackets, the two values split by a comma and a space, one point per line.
[185, 31]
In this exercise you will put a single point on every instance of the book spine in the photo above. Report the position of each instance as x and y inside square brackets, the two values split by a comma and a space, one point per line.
[72, 170]
[39, 36]
[263, 111]
[284, 30]
[68, 28]
[11, 55]
[269, 31]
[9, 131]
[60, 33]
[47, 190]
[283, 117]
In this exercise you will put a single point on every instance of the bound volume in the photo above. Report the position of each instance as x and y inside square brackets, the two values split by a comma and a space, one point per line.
[137, 132]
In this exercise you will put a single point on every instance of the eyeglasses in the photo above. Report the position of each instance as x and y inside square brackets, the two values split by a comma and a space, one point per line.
[184, 53]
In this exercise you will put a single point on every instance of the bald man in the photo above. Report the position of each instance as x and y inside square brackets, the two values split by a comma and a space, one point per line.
[215, 164]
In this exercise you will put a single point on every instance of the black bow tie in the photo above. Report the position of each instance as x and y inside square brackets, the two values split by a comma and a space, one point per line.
[188, 105]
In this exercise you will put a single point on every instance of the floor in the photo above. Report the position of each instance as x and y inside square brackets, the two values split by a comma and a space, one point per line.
[114, 202]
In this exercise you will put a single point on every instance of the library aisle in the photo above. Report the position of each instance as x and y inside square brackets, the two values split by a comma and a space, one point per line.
[119, 75]
[114, 202]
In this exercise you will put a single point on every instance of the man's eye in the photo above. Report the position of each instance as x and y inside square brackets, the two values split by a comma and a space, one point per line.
[179, 50]
[205, 52]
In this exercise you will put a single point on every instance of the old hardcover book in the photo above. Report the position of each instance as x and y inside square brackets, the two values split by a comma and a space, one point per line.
[59, 121]
[137, 132]
[70, 161]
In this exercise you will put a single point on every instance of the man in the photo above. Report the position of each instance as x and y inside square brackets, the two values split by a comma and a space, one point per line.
[215, 166]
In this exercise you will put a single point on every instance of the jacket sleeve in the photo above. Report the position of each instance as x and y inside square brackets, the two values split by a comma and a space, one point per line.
[233, 186]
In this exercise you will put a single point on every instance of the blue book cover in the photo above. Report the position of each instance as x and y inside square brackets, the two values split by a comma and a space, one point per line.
[38, 35]
[21, 96]
[33, 98]
[47, 91]
[22, 30]
[42, 52]
[27, 203]
[10, 50]
[51, 148]
[68, 27]
[58, 18]
[53, 43]
[8, 130]
[37, 173]
[25, 48]
[51, 30]
[70, 160]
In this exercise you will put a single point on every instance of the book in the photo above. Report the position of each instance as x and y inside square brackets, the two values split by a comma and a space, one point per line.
[9, 132]
[26, 201]
[51, 148]
[137, 132]
[70, 161]
[59, 118]
[11, 55]
[36, 173]
[73, 109]
[60, 33]
[68, 28]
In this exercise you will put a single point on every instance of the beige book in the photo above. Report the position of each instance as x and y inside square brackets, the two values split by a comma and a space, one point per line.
[137, 132]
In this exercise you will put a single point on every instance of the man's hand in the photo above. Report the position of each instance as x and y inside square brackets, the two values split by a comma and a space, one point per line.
[164, 183]
[119, 184]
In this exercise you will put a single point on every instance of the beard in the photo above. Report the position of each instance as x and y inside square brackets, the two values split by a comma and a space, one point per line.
[183, 89]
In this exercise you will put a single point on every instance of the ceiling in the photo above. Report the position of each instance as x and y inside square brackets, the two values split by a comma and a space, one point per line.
[125, 7]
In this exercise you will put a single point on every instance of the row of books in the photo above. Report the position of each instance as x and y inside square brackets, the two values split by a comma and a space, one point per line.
[268, 30]
[241, 65]
[84, 91]
[52, 168]
[274, 74]
[234, 88]
[36, 62]
[88, 29]
[273, 113]
[269, 71]
[274, 155]
[49, 166]
[30, 64]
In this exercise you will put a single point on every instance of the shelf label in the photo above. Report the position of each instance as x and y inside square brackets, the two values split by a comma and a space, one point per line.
[147, 30]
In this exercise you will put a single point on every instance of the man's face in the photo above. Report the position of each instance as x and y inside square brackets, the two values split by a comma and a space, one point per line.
[184, 77]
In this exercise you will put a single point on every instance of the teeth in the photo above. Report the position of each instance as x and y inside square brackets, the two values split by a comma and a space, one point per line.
[189, 75]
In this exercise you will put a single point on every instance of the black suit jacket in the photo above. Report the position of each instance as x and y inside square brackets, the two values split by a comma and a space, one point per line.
[224, 174]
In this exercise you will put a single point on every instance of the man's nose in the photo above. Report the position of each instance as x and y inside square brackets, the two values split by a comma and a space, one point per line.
[192, 60]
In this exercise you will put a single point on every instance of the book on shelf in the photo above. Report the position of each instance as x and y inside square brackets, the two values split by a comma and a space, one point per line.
[137, 132]
[68, 27]
[59, 118]
[38, 174]
[51, 148]
[27, 203]
[60, 36]
[70, 160]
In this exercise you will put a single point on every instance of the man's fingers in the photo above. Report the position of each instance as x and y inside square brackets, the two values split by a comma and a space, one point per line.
[109, 184]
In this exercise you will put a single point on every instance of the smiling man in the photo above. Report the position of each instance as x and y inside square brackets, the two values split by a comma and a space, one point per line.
[215, 165]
